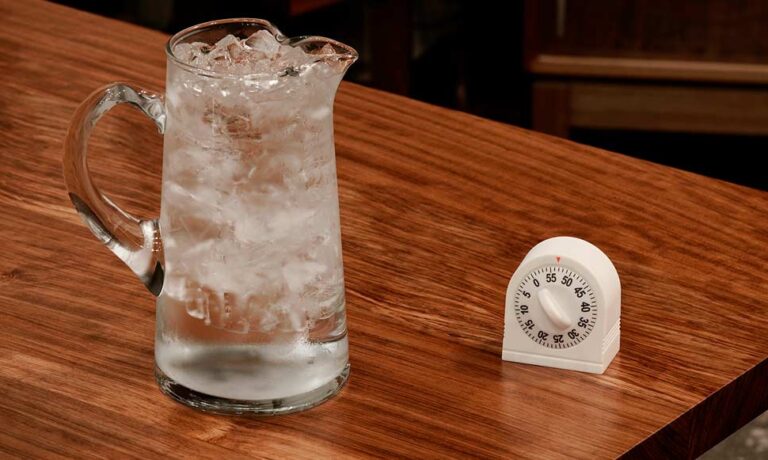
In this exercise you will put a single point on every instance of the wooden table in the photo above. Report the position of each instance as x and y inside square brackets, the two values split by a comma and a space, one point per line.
[438, 208]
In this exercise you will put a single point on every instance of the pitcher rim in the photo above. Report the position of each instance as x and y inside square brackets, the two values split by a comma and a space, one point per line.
[347, 53]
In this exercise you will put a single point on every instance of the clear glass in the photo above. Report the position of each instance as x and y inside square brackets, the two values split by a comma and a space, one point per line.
[246, 255]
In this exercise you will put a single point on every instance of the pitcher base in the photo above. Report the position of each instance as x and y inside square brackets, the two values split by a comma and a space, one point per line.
[227, 406]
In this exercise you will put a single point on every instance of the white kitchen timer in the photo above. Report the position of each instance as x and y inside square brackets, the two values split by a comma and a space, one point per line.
[563, 307]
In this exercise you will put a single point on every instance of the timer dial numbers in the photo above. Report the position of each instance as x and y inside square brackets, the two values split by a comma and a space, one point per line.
[555, 306]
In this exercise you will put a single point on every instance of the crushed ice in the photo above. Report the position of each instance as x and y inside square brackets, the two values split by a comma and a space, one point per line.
[258, 54]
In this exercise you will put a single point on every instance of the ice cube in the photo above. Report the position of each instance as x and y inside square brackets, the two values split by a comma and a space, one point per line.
[250, 229]
[321, 112]
[192, 53]
[298, 274]
[292, 59]
[185, 51]
[227, 45]
[263, 42]
[326, 50]
[284, 221]
[197, 307]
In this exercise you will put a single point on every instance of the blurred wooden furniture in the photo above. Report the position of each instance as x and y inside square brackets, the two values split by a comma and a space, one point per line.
[438, 208]
[668, 65]
[298, 7]
[389, 32]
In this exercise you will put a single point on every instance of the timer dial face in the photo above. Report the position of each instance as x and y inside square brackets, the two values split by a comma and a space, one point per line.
[555, 306]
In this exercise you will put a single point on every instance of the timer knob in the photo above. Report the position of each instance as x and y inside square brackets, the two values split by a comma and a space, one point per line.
[554, 311]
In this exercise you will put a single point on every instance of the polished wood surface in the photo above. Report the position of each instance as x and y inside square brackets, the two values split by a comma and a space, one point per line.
[438, 208]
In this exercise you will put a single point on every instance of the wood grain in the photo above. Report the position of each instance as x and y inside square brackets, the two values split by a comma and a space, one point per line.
[438, 208]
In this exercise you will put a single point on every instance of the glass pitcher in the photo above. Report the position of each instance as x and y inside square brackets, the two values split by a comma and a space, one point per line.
[245, 258]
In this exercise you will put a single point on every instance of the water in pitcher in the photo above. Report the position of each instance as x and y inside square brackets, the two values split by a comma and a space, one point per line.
[252, 306]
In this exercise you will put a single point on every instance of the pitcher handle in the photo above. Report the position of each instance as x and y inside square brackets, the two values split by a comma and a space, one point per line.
[135, 241]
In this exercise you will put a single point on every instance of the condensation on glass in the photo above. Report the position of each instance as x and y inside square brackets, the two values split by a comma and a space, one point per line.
[245, 258]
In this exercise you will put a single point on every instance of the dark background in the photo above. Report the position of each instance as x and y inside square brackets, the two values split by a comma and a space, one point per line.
[483, 57]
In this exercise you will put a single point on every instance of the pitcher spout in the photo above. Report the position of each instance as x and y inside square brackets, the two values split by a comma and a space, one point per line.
[332, 53]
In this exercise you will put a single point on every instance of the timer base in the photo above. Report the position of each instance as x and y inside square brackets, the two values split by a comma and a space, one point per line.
[609, 352]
